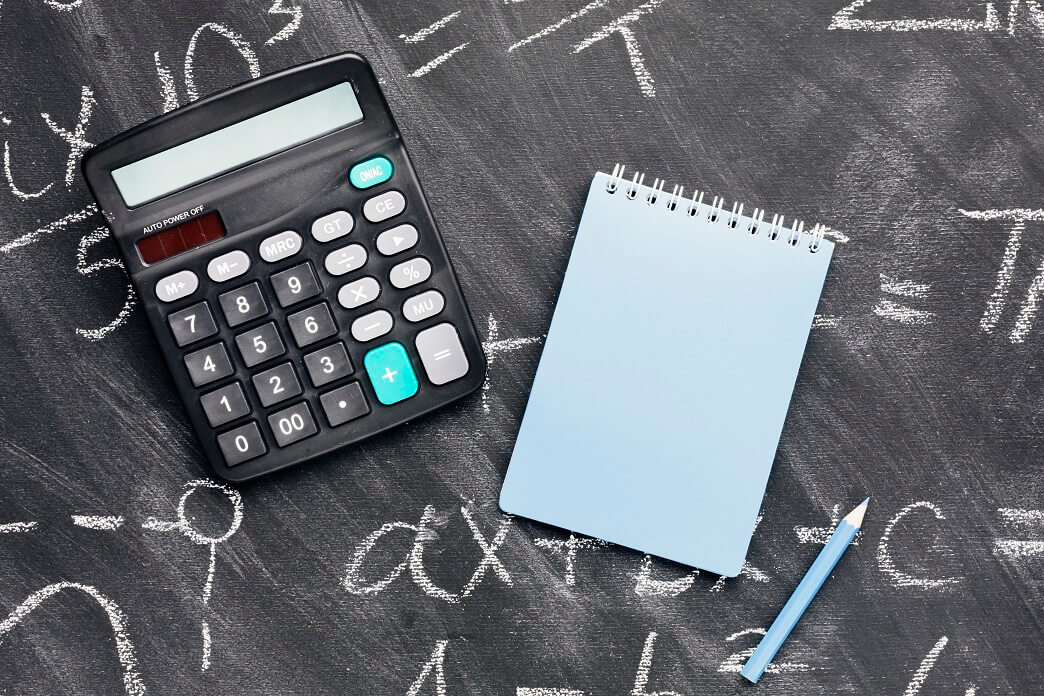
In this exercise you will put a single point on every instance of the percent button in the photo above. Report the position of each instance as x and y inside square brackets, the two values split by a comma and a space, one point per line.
[409, 273]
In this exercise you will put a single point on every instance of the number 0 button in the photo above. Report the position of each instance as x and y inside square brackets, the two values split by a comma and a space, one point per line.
[241, 444]
[292, 424]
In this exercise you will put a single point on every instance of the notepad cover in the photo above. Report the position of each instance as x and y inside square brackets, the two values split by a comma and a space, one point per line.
[665, 379]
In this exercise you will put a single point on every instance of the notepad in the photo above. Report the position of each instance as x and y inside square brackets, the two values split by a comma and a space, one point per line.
[668, 368]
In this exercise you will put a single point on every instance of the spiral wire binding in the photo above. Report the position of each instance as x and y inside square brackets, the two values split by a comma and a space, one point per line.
[717, 209]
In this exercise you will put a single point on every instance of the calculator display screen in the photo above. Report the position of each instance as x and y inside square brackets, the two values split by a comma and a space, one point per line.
[237, 145]
[179, 238]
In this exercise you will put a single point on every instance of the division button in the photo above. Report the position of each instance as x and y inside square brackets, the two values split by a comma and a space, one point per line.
[292, 424]
[391, 373]
[442, 354]
[397, 239]
[371, 172]
[344, 404]
[280, 246]
[423, 306]
[330, 227]
[176, 285]
[241, 444]
[371, 326]
[358, 292]
[346, 259]
[383, 206]
[225, 404]
[228, 266]
[409, 273]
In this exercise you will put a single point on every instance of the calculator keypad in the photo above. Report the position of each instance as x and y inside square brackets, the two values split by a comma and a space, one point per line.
[192, 324]
[243, 304]
[260, 344]
[296, 375]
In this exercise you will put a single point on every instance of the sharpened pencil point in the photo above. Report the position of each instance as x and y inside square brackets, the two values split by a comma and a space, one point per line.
[855, 518]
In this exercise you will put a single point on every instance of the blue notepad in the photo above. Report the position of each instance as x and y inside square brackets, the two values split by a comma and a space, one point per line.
[667, 372]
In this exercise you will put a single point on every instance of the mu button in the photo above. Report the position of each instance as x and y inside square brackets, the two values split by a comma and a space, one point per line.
[391, 373]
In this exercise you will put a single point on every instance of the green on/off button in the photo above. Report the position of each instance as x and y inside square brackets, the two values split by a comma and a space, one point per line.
[371, 172]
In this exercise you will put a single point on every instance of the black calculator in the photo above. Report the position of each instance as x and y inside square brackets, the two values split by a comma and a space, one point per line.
[287, 260]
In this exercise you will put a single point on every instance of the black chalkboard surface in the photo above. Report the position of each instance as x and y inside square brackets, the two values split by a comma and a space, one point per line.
[911, 129]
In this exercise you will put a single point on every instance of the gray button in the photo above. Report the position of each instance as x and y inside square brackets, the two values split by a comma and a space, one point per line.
[397, 239]
[328, 364]
[194, 323]
[358, 292]
[176, 285]
[409, 273]
[442, 354]
[295, 284]
[311, 325]
[228, 266]
[280, 246]
[383, 206]
[292, 424]
[344, 404]
[423, 306]
[346, 259]
[241, 444]
[275, 385]
[208, 364]
[260, 344]
[225, 404]
[330, 227]
[372, 325]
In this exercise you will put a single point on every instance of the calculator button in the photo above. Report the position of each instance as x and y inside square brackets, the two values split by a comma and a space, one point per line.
[295, 284]
[280, 246]
[383, 206]
[358, 292]
[192, 324]
[292, 424]
[330, 227]
[176, 285]
[328, 364]
[311, 325]
[344, 404]
[346, 259]
[243, 304]
[442, 354]
[396, 240]
[371, 172]
[423, 306]
[371, 326]
[208, 364]
[241, 444]
[391, 373]
[228, 266]
[260, 344]
[409, 273]
[225, 404]
[276, 384]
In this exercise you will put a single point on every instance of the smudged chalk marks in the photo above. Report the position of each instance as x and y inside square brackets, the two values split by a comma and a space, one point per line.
[106, 523]
[1020, 548]
[621, 26]
[132, 683]
[886, 563]
[185, 527]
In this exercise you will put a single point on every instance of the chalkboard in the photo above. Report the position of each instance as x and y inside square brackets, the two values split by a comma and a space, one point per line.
[910, 129]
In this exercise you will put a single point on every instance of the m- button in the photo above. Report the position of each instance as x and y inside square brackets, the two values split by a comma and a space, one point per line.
[176, 285]
[383, 206]
[228, 266]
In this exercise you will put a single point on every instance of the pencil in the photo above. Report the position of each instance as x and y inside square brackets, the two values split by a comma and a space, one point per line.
[806, 590]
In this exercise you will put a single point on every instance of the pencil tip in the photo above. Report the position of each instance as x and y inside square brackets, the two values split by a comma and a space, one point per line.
[855, 518]
[866, 502]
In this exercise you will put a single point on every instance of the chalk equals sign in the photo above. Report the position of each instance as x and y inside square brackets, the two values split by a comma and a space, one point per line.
[888, 308]
[1020, 548]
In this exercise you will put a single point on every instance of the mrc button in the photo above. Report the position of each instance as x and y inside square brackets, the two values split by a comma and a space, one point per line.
[371, 172]
[280, 246]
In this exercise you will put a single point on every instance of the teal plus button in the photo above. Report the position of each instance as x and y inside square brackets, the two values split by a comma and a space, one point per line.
[391, 373]
[371, 172]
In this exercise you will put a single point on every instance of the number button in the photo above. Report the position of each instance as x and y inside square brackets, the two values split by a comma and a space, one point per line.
[345, 260]
[242, 444]
[260, 344]
[276, 384]
[292, 424]
[243, 304]
[409, 273]
[328, 364]
[358, 292]
[192, 324]
[311, 325]
[225, 404]
[295, 284]
[344, 404]
[208, 364]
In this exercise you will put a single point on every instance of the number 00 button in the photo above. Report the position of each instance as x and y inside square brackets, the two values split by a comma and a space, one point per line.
[241, 444]
[292, 424]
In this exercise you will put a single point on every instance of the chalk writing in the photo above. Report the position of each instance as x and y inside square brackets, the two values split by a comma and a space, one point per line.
[890, 309]
[1020, 548]
[98, 522]
[426, 32]
[85, 268]
[641, 678]
[17, 527]
[237, 41]
[734, 662]
[746, 570]
[844, 19]
[821, 535]
[886, 563]
[167, 87]
[75, 138]
[647, 586]
[296, 14]
[552, 28]
[622, 26]
[568, 549]
[435, 664]
[493, 347]
[19, 193]
[183, 525]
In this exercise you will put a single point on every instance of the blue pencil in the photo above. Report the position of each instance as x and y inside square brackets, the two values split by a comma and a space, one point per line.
[806, 590]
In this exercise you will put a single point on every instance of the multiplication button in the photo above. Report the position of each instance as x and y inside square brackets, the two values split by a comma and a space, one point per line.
[292, 424]
[241, 444]
[358, 292]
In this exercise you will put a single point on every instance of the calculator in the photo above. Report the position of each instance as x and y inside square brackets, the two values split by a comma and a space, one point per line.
[289, 265]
